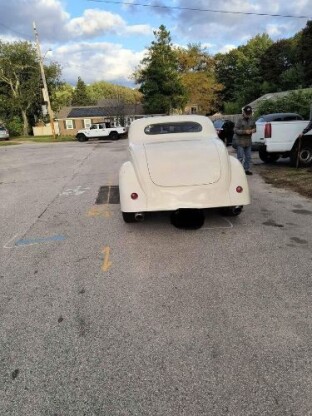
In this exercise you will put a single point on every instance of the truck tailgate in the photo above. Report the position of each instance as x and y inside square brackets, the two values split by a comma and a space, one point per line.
[283, 135]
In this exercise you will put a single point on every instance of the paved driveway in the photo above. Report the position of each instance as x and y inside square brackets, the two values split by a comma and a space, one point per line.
[99, 317]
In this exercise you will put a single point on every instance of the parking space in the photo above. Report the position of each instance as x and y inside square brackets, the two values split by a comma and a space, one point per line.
[108, 318]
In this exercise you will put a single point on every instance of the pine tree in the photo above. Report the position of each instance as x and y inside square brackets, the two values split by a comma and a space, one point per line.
[80, 94]
[158, 75]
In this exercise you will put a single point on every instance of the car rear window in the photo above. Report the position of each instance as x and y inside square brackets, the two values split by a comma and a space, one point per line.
[290, 118]
[179, 127]
[279, 117]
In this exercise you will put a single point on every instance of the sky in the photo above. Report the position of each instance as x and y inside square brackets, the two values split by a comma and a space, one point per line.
[100, 40]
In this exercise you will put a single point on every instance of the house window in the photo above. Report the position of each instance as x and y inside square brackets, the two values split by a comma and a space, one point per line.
[69, 124]
[87, 123]
[193, 110]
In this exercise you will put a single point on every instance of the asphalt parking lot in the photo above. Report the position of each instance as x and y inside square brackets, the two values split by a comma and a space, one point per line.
[99, 317]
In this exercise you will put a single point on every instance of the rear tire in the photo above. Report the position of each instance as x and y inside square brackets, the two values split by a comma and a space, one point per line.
[114, 135]
[268, 157]
[128, 217]
[81, 137]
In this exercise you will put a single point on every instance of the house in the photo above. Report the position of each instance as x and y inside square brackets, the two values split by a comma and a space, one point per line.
[191, 109]
[72, 119]
[274, 96]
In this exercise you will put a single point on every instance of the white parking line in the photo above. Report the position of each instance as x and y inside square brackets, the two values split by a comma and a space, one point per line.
[11, 239]
[79, 190]
[230, 225]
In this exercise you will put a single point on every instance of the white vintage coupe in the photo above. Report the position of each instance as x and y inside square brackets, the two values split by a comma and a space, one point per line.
[178, 162]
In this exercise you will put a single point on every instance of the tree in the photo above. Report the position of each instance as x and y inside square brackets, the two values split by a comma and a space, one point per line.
[240, 72]
[158, 76]
[227, 72]
[62, 96]
[277, 65]
[19, 71]
[305, 53]
[198, 78]
[20, 81]
[80, 94]
[248, 85]
[104, 90]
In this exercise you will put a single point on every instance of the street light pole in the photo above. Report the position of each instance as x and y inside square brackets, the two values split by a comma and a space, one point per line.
[44, 81]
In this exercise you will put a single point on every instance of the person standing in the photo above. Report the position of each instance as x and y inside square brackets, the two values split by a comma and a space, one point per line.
[243, 130]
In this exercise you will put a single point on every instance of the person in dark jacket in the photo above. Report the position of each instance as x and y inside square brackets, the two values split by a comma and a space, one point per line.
[243, 130]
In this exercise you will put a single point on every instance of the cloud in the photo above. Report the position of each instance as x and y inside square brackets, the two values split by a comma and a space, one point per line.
[94, 60]
[207, 45]
[227, 28]
[93, 23]
[18, 16]
[97, 62]
[138, 30]
[158, 8]
[161, 9]
[54, 24]
[227, 48]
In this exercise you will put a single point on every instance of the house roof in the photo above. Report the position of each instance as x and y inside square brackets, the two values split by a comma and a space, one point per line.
[275, 96]
[115, 109]
[78, 112]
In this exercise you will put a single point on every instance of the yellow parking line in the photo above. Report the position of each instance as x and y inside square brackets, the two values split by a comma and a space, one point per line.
[106, 263]
[100, 211]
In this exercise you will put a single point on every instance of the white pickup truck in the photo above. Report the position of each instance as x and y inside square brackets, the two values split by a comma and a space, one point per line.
[100, 131]
[280, 139]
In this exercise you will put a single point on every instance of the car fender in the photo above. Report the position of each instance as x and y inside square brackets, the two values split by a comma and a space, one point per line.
[128, 184]
[238, 178]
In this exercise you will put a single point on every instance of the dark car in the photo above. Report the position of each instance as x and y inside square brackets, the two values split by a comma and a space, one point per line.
[225, 130]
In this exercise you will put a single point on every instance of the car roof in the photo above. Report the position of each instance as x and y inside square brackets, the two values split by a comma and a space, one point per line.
[272, 116]
[137, 128]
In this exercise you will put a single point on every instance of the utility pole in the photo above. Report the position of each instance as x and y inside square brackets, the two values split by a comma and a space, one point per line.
[45, 91]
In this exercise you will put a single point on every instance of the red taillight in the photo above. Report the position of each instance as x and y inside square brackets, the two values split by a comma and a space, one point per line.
[239, 189]
[267, 131]
[134, 195]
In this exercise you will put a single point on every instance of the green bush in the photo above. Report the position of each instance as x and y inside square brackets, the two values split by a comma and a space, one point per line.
[296, 102]
[232, 108]
[15, 126]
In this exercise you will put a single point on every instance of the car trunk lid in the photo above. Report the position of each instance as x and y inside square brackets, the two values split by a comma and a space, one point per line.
[183, 163]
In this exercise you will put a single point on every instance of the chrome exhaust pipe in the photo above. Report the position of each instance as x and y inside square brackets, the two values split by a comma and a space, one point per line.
[139, 216]
[237, 210]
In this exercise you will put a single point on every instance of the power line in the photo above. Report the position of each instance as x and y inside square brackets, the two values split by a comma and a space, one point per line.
[200, 10]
